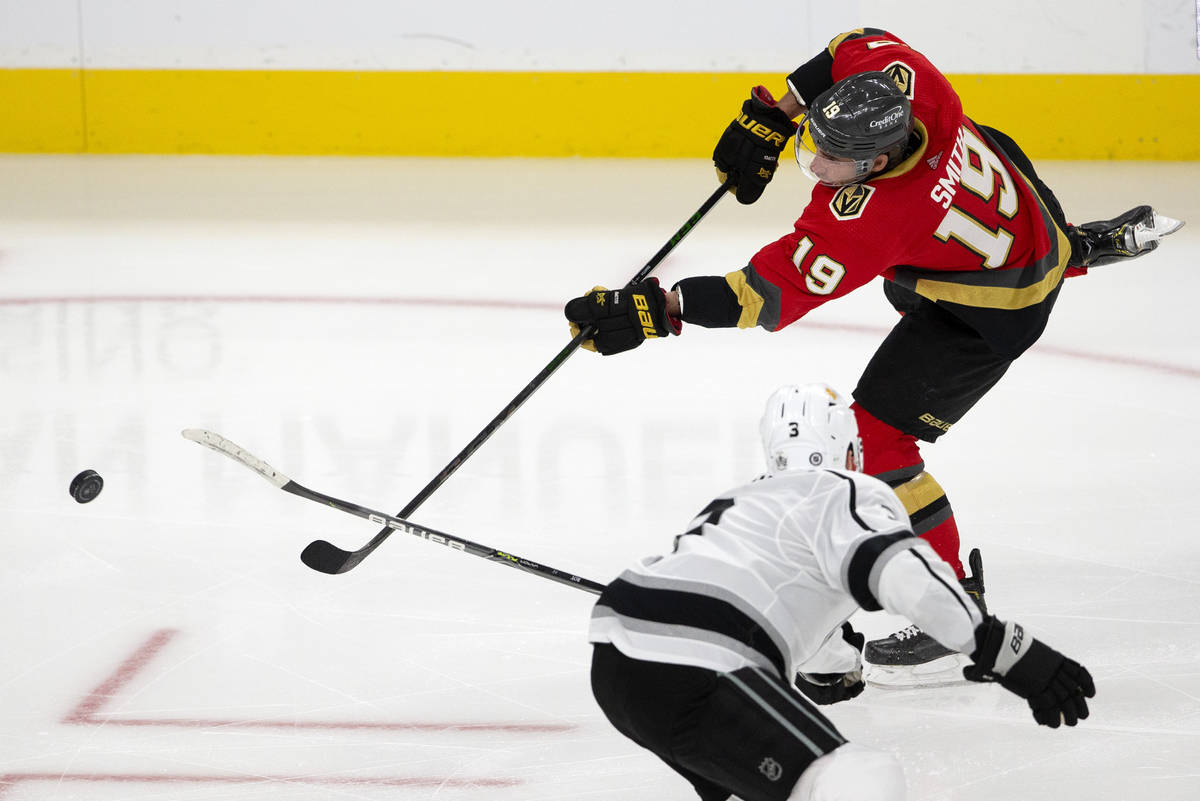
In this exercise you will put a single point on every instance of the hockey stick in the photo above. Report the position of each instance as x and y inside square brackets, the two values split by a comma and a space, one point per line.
[244, 457]
[328, 558]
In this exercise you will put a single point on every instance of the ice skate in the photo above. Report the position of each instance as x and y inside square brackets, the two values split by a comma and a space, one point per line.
[1134, 233]
[911, 658]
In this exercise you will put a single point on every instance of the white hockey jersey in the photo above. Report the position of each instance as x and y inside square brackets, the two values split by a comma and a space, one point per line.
[768, 572]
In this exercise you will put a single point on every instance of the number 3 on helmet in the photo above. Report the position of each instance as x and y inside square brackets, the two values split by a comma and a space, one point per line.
[809, 426]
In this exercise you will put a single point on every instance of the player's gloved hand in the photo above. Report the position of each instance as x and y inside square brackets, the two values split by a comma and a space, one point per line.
[623, 318]
[1055, 687]
[748, 151]
[830, 688]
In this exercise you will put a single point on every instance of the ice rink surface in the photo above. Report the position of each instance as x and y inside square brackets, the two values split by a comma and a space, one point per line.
[355, 322]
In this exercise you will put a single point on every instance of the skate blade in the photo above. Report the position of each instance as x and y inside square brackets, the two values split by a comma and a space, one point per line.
[945, 671]
[1161, 226]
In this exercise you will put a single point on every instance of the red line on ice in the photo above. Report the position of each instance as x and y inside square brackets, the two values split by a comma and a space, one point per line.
[340, 725]
[1107, 359]
[299, 299]
[1126, 361]
[87, 711]
[108, 689]
[10, 780]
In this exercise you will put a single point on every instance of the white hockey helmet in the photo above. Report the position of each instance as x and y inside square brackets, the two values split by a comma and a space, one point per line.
[809, 426]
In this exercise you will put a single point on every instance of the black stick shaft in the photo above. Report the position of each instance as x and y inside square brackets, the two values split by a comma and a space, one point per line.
[243, 457]
[328, 558]
[449, 540]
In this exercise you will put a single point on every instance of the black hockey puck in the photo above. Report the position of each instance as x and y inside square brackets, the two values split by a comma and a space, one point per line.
[86, 486]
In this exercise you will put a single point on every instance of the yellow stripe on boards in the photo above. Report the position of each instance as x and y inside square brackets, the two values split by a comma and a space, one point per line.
[538, 114]
[1089, 116]
[410, 113]
[41, 111]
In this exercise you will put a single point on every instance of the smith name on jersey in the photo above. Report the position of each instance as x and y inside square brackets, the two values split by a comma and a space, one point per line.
[955, 222]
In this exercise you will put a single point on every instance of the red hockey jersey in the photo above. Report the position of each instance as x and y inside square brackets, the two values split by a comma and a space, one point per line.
[956, 222]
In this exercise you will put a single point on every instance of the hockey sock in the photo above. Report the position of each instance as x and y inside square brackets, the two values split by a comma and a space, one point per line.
[895, 458]
[932, 518]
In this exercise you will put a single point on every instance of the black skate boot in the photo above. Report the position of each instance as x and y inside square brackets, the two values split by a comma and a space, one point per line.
[1135, 232]
[911, 658]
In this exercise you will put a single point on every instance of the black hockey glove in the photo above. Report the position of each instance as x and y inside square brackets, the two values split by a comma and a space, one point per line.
[749, 149]
[1055, 687]
[830, 688]
[624, 318]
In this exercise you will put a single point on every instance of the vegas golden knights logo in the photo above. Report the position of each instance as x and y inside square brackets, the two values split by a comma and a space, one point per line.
[903, 75]
[850, 200]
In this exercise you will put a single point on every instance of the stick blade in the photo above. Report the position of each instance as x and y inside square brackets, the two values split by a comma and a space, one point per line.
[226, 447]
[325, 557]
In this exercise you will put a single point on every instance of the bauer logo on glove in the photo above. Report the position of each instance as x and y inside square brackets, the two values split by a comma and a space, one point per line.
[748, 151]
[1055, 687]
[621, 319]
[643, 312]
[771, 136]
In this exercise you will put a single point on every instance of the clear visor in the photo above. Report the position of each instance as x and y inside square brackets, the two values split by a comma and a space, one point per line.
[823, 168]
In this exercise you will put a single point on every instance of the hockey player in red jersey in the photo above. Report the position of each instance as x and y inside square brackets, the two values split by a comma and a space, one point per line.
[695, 650]
[972, 245]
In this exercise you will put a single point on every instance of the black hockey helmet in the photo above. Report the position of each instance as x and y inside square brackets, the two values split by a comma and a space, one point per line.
[860, 117]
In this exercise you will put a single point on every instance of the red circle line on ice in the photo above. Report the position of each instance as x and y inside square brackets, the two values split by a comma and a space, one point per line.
[490, 303]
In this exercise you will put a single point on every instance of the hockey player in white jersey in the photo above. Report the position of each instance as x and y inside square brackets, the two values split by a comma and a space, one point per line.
[696, 651]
